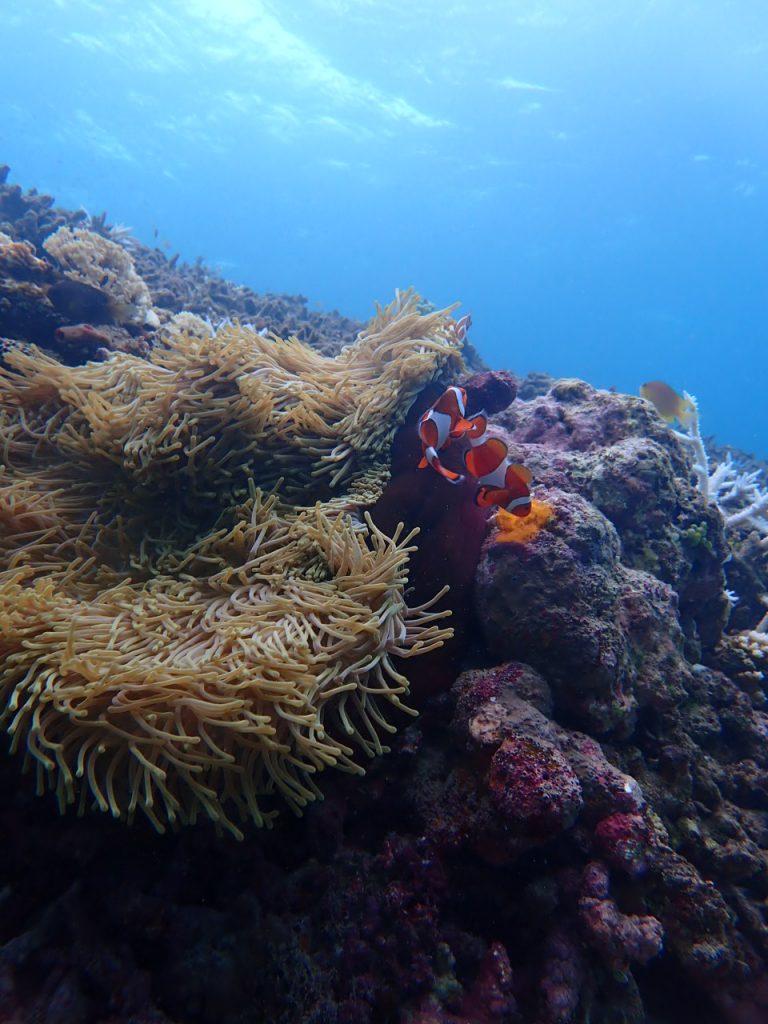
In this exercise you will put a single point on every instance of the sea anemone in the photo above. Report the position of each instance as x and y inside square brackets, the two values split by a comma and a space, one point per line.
[249, 664]
[174, 636]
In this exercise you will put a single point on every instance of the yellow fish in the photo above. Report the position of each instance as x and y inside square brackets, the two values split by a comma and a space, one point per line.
[669, 405]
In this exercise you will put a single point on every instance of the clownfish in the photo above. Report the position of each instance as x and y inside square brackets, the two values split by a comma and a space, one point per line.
[501, 481]
[445, 422]
[668, 403]
[461, 327]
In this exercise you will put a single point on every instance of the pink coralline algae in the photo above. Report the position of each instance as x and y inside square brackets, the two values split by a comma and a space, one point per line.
[489, 1001]
[531, 783]
[622, 938]
[542, 778]
[623, 840]
[562, 979]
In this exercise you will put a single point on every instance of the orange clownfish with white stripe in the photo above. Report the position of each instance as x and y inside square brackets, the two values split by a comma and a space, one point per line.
[500, 480]
[445, 422]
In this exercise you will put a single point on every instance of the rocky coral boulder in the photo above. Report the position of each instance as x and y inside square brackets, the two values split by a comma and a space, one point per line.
[538, 777]
[630, 890]
[616, 452]
[532, 784]
[606, 636]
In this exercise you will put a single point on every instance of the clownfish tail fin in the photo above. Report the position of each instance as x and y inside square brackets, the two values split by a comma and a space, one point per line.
[448, 474]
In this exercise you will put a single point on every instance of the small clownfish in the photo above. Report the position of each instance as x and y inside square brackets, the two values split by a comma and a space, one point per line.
[445, 422]
[501, 481]
[669, 405]
[461, 327]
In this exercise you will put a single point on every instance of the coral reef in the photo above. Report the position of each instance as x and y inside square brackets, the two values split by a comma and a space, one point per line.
[46, 302]
[615, 452]
[634, 893]
[739, 486]
[25, 309]
[607, 646]
[174, 286]
[735, 485]
[575, 826]
[30, 218]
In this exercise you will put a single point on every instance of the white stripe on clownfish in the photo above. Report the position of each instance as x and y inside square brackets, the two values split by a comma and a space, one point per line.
[442, 422]
[477, 435]
[496, 478]
[525, 500]
[459, 395]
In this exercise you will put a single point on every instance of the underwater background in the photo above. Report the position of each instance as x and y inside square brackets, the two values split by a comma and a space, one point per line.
[588, 178]
[362, 661]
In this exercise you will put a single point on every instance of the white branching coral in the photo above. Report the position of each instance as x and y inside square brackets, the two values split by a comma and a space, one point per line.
[741, 496]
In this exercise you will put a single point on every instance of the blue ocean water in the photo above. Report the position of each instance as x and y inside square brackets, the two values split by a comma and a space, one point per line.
[588, 178]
